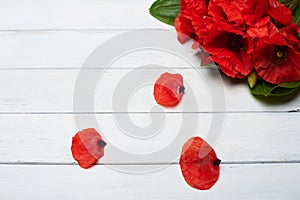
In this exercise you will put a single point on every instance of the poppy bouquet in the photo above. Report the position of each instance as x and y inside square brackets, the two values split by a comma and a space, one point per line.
[255, 40]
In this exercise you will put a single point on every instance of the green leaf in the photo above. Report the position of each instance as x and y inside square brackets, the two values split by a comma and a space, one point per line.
[296, 16]
[263, 88]
[290, 84]
[165, 10]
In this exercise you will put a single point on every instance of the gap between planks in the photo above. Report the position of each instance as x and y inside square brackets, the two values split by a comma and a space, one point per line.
[140, 112]
[81, 30]
[92, 69]
[156, 163]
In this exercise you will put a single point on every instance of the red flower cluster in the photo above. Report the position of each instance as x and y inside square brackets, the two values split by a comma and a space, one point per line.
[244, 36]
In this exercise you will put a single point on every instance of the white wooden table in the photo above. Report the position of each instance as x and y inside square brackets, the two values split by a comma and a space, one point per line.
[43, 44]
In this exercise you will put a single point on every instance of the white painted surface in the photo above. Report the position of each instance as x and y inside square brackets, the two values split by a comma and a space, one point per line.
[36, 49]
[75, 14]
[244, 137]
[52, 91]
[43, 45]
[268, 182]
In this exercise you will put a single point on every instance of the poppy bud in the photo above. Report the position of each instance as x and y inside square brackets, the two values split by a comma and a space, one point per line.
[169, 89]
[199, 164]
[87, 147]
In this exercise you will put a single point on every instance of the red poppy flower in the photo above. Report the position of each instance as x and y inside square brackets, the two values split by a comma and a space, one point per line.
[228, 47]
[87, 147]
[199, 164]
[184, 28]
[169, 89]
[251, 10]
[261, 28]
[274, 3]
[189, 19]
[275, 60]
[281, 14]
[229, 30]
[226, 12]
[292, 33]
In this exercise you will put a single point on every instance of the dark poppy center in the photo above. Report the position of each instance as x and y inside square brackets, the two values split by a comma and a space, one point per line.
[101, 143]
[235, 42]
[217, 162]
[181, 89]
[279, 52]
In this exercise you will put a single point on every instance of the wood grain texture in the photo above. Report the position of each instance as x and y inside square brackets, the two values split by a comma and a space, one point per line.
[52, 91]
[67, 14]
[248, 182]
[243, 138]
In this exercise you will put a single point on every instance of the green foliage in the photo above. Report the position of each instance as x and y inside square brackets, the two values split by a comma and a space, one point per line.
[165, 10]
[294, 6]
[297, 15]
[263, 88]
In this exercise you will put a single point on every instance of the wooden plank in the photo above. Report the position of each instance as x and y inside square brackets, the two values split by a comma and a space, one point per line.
[268, 182]
[49, 49]
[243, 137]
[69, 49]
[53, 91]
[66, 14]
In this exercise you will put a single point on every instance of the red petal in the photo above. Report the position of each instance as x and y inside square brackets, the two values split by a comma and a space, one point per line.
[225, 11]
[260, 28]
[281, 14]
[233, 65]
[292, 33]
[184, 28]
[190, 16]
[274, 3]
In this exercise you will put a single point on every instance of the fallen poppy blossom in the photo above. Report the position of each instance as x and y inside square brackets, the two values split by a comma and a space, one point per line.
[87, 147]
[199, 164]
[169, 89]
